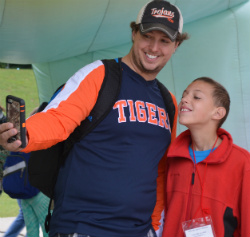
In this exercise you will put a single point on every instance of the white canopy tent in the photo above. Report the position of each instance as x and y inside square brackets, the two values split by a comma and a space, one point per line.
[58, 37]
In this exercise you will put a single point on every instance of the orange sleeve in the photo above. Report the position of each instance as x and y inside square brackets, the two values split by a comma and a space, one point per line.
[158, 213]
[66, 111]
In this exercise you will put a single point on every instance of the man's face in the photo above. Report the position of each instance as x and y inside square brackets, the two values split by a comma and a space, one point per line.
[150, 52]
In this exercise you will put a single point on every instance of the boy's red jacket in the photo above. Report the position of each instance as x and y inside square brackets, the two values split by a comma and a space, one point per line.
[226, 188]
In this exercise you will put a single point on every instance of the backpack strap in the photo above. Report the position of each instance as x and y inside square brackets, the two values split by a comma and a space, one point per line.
[107, 96]
[168, 100]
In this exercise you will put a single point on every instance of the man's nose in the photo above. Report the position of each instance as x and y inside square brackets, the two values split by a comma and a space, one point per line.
[154, 45]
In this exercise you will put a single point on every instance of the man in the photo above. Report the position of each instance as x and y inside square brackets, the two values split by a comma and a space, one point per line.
[112, 181]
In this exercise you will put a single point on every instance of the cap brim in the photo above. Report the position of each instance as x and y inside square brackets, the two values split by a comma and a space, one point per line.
[147, 27]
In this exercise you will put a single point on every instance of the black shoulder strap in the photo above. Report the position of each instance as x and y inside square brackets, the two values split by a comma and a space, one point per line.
[106, 98]
[168, 100]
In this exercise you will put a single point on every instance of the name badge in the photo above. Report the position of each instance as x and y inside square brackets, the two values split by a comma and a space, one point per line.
[199, 227]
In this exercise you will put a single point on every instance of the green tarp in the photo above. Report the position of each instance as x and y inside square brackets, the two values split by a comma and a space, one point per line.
[58, 37]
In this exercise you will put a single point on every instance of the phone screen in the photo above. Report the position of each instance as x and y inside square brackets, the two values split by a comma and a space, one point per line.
[15, 111]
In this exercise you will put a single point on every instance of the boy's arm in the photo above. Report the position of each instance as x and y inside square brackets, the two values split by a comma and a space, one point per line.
[245, 205]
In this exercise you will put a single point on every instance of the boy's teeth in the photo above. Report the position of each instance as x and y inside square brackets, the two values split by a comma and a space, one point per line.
[184, 109]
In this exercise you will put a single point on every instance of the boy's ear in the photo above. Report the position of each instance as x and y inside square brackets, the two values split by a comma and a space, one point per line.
[219, 113]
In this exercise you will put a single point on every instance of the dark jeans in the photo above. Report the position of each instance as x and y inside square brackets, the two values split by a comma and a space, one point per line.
[17, 225]
[151, 233]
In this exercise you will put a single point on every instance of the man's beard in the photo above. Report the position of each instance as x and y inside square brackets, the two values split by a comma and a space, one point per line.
[140, 66]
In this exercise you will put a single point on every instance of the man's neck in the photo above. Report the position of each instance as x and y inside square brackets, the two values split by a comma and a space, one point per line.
[129, 62]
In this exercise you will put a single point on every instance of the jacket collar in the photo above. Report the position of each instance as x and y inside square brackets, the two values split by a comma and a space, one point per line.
[179, 147]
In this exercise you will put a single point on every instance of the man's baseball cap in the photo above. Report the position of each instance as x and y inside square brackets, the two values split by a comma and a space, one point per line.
[160, 15]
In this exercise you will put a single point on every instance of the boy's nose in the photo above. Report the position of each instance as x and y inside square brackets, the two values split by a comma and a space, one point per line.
[184, 99]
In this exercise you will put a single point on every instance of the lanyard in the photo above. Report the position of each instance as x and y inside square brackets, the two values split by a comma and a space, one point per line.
[204, 210]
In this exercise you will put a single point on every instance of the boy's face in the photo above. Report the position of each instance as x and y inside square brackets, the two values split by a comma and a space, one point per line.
[197, 106]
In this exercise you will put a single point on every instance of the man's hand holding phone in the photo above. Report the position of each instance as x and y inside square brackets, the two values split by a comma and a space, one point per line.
[7, 131]
[13, 133]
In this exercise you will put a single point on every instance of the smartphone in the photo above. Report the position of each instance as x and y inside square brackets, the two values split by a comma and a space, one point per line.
[15, 113]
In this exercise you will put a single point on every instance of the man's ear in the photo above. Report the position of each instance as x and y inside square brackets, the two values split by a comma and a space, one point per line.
[176, 44]
[133, 35]
[219, 113]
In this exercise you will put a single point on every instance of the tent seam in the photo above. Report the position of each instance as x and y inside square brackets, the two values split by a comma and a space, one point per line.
[2, 12]
[104, 15]
[241, 86]
[174, 88]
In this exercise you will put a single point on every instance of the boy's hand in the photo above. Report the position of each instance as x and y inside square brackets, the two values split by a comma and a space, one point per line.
[7, 130]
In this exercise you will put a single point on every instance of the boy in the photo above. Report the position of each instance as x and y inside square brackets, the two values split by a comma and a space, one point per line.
[208, 177]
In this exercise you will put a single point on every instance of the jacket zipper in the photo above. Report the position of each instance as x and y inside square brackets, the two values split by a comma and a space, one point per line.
[189, 203]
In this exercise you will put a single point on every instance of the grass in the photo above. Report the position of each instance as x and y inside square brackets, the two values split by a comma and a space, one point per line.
[8, 206]
[20, 83]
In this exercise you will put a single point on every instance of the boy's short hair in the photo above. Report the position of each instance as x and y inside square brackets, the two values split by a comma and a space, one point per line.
[220, 94]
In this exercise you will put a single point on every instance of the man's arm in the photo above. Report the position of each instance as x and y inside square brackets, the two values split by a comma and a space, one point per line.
[63, 114]
[158, 214]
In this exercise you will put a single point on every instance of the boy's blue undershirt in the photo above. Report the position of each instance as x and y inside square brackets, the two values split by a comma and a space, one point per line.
[199, 155]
